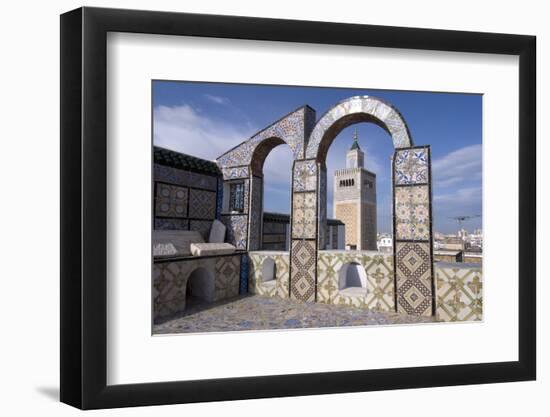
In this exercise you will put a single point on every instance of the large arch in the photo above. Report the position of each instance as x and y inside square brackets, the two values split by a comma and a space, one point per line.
[355, 110]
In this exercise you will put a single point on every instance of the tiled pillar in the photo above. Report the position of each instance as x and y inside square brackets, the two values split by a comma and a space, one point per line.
[304, 227]
[412, 224]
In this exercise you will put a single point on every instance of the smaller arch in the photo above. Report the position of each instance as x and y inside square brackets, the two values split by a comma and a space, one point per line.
[269, 270]
[352, 275]
[201, 285]
[261, 152]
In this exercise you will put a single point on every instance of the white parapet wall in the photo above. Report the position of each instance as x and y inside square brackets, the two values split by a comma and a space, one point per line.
[459, 291]
[269, 273]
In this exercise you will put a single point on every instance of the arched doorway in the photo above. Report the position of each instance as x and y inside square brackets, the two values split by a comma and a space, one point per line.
[411, 193]
[200, 287]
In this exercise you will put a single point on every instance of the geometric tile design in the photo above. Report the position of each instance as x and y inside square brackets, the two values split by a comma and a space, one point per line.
[237, 229]
[289, 128]
[276, 288]
[411, 166]
[170, 201]
[235, 172]
[255, 217]
[243, 280]
[170, 281]
[184, 178]
[322, 221]
[302, 279]
[202, 204]
[201, 226]
[305, 175]
[357, 108]
[459, 292]
[379, 294]
[171, 224]
[219, 199]
[412, 212]
[414, 276]
[304, 224]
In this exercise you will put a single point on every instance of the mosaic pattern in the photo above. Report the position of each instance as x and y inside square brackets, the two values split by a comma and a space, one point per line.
[243, 275]
[202, 204]
[201, 226]
[371, 106]
[412, 212]
[184, 178]
[459, 292]
[171, 224]
[411, 166]
[236, 229]
[302, 278]
[290, 129]
[219, 200]
[255, 217]
[379, 292]
[414, 278]
[322, 215]
[170, 201]
[235, 172]
[170, 282]
[304, 223]
[256, 312]
[305, 175]
[279, 287]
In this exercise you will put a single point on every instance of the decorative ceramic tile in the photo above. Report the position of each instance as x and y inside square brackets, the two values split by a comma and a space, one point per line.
[290, 129]
[235, 172]
[305, 175]
[411, 166]
[202, 204]
[378, 267]
[255, 217]
[201, 226]
[279, 287]
[304, 220]
[322, 209]
[227, 277]
[459, 292]
[170, 201]
[412, 213]
[302, 278]
[184, 178]
[359, 108]
[219, 199]
[237, 229]
[414, 278]
[243, 275]
[171, 224]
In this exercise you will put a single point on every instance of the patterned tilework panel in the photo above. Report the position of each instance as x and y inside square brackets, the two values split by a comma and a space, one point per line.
[414, 278]
[219, 199]
[202, 204]
[304, 220]
[235, 172]
[171, 224]
[302, 279]
[411, 166]
[412, 213]
[201, 226]
[170, 201]
[379, 292]
[459, 292]
[255, 217]
[170, 282]
[305, 175]
[184, 178]
[322, 209]
[279, 287]
[243, 278]
[356, 106]
[237, 229]
[290, 129]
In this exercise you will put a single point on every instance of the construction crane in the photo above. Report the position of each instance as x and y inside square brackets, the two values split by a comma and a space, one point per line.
[460, 219]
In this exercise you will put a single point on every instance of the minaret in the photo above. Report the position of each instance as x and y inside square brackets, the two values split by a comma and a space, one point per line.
[355, 200]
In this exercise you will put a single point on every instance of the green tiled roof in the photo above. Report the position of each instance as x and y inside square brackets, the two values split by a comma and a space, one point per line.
[185, 162]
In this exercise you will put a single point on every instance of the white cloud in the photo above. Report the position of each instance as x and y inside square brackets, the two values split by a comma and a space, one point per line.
[184, 129]
[217, 99]
[458, 166]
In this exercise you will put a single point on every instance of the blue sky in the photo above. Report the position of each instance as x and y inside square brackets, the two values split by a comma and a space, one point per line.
[206, 119]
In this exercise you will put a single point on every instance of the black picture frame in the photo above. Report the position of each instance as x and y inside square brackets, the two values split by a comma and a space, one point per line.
[84, 207]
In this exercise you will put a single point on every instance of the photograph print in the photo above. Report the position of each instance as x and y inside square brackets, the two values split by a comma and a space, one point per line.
[296, 207]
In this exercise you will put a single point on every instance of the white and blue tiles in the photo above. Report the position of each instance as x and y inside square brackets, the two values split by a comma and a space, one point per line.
[411, 166]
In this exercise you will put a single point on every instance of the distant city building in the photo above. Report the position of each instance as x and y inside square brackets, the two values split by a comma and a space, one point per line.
[385, 243]
[355, 200]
